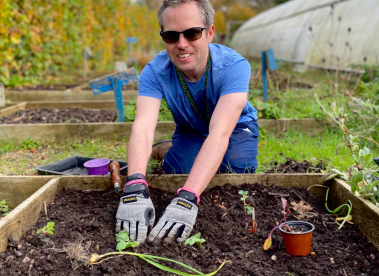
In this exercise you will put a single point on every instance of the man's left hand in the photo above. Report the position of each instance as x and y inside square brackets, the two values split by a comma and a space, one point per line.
[176, 222]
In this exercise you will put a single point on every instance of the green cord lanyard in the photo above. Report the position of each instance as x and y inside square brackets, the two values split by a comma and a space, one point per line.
[188, 94]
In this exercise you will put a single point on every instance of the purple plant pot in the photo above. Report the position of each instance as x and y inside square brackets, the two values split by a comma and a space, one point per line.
[98, 166]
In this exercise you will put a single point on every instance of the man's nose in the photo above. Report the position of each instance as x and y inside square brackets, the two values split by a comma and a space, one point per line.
[182, 42]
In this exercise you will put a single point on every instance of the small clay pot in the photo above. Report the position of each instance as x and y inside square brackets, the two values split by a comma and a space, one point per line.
[298, 240]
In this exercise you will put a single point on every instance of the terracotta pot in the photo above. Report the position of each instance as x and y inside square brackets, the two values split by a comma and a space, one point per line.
[297, 242]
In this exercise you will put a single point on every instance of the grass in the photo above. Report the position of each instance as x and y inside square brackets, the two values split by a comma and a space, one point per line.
[301, 146]
[21, 158]
[16, 159]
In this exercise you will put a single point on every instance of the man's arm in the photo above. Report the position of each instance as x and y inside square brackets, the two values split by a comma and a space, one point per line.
[222, 124]
[142, 136]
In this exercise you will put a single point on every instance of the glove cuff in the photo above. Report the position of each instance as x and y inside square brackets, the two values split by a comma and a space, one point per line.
[189, 195]
[136, 188]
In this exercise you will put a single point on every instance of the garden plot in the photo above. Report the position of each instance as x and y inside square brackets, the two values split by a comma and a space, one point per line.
[87, 218]
[14, 97]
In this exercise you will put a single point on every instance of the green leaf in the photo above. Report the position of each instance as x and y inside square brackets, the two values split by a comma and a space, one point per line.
[121, 245]
[355, 179]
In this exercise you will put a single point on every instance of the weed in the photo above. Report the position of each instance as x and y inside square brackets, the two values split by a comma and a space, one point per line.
[154, 260]
[339, 210]
[29, 144]
[123, 241]
[195, 239]
[48, 229]
[4, 208]
[248, 210]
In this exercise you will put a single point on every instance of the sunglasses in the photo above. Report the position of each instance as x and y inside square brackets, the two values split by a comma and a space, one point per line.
[190, 34]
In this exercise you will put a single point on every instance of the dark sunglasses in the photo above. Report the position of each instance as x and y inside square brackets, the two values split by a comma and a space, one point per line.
[190, 34]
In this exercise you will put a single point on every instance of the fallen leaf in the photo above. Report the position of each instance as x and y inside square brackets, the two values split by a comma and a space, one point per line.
[267, 243]
[313, 253]
[301, 208]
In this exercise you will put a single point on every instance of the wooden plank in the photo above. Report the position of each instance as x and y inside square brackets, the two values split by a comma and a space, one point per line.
[58, 95]
[311, 126]
[104, 105]
[16, 189]
[25, 215]
[84, 130]
[164, 130]
[172, 183]
[365, 214]
[9, 110]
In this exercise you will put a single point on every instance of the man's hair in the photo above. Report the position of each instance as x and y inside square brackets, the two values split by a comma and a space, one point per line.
[205, 7]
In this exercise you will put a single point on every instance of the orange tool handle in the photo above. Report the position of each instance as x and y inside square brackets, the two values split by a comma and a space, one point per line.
[114, 168]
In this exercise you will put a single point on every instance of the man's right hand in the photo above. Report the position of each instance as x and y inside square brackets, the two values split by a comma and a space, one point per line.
[136, 213]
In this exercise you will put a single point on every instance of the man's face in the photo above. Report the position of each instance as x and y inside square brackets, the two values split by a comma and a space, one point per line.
[189, 56]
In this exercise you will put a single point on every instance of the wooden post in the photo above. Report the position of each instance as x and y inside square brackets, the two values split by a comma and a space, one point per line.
[2, 95]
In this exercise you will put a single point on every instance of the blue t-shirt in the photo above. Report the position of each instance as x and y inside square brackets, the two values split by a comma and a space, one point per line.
[229, 73]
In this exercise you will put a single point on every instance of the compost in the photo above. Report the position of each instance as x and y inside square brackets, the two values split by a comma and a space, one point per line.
[88, 218]
[58, 116]
[293, 166]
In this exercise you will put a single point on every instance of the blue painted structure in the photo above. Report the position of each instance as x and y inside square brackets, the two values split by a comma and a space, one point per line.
[267, 56]
[115, 82]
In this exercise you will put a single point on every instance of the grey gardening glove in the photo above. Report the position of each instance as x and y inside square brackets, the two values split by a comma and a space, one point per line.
[136, 213]
[176, 222]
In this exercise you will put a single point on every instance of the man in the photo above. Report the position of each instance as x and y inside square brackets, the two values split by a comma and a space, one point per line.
[205, 85]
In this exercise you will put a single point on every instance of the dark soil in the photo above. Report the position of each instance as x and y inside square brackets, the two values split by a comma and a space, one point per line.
[220, 221]
[63, 115]
[293, 166]
[45, 87]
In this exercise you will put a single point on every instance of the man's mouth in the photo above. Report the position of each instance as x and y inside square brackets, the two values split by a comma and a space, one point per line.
[184, 55]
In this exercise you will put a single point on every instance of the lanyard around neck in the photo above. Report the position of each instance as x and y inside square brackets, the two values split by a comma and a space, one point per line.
[188, 94]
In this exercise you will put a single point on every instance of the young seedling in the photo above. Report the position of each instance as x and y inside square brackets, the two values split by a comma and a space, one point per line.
[48, 229]
[123, 241]
[268, 241]
[339, 210]
[4, 208]
[154, 260]
[248, 210]
[195, 239]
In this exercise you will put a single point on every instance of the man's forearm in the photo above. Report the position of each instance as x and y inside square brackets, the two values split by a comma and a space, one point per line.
[139, 150]
[207, 162]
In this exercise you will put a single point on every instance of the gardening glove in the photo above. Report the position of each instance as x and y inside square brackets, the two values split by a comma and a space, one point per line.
[135, 214]
[177, 220]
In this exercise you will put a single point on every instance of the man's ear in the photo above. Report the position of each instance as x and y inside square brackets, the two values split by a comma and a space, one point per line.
[211, 33]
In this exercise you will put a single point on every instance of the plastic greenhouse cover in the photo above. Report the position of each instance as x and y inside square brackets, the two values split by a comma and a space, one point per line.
[320, 33]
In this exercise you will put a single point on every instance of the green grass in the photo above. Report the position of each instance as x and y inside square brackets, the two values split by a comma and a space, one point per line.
[300, 146]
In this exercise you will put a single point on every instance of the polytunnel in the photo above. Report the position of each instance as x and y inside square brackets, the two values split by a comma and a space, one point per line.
[334, 34]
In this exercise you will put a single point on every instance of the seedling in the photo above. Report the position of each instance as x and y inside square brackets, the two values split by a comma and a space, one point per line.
[123, 241]
[154, 260]
[268, 241]
[195, 239]
[248, 210]
[339, 210]
[4, 208]
[48, 229]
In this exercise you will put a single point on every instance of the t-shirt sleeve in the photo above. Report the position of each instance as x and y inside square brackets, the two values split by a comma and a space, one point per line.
[236, 78]
[148, 84]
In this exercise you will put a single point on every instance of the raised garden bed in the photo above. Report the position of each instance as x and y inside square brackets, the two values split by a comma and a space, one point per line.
[220, 221]
[15, 97]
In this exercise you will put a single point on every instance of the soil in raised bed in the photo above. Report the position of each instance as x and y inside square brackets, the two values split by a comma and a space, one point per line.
[58, 116]
[89, 217]
[293, 166]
